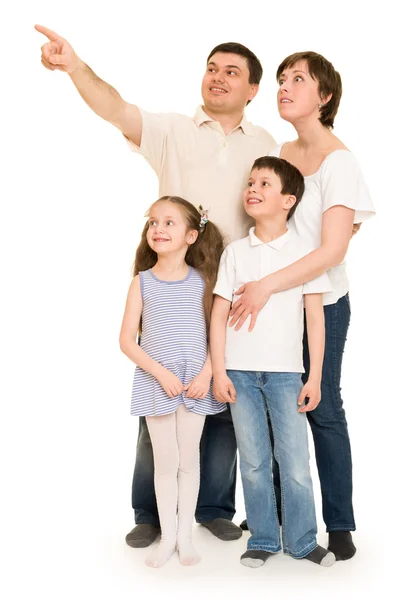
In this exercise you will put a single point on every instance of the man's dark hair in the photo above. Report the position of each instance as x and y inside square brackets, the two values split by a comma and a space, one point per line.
[291, 178]
[254, 66]
[329, 81]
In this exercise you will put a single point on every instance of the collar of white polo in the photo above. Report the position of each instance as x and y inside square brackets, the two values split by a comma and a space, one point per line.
[276, 244]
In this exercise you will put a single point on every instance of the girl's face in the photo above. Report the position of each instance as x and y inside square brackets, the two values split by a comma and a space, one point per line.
[167, 231]
[298, 95]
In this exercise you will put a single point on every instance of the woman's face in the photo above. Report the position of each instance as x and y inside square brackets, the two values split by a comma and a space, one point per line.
[298, 96]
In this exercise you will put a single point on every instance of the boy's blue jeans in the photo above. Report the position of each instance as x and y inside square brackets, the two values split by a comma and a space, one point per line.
[275, 395]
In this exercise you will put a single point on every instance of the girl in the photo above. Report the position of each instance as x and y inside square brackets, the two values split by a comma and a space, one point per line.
[169, 303]
[335, 199]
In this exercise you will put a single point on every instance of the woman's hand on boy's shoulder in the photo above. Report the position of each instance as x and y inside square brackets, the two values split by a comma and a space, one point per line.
[223, 389]
[312, 391]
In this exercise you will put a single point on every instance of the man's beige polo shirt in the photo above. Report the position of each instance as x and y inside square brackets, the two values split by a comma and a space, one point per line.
[194, 159]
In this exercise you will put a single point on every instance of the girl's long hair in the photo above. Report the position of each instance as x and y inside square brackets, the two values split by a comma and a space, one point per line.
[204, 255]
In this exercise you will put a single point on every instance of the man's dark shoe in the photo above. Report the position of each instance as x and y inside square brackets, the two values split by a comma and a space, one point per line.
[142, 535]
[223, 529]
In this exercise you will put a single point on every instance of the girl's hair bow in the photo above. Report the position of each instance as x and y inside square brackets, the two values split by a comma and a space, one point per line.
[204, 216]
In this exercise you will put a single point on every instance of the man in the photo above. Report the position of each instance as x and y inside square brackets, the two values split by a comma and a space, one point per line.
[206, 160]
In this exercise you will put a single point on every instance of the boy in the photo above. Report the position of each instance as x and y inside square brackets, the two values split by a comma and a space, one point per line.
[259, 371]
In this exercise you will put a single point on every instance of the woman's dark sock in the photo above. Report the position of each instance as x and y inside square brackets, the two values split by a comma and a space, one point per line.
[321, 557]
[341, 544]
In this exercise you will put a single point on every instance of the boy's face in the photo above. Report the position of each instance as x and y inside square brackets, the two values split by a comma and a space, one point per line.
[263, 197]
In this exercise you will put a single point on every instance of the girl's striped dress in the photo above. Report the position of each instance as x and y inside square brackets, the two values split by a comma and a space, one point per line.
[174, 334]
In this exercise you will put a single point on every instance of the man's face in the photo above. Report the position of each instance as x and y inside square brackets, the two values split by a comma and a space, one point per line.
[263, 197]
[225, 87]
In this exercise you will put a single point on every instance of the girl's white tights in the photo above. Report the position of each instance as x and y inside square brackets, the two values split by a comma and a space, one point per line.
[176, 449]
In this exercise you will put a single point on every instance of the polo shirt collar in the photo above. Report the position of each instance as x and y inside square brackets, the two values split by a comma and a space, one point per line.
[276, 244]
[247, 127]
[201, 117]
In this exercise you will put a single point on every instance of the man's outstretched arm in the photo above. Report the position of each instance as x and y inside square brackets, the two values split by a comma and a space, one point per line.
[102, 98]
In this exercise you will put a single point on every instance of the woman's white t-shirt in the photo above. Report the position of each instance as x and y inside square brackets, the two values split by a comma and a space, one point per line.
[337, 182]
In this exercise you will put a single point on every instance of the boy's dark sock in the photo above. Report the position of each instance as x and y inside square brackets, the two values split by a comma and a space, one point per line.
[254, 558]
[321, 557]
[142, 535]
[223, 529]
[341, 544]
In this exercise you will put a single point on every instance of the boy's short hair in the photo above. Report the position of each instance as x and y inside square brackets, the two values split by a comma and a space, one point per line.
[291, 178]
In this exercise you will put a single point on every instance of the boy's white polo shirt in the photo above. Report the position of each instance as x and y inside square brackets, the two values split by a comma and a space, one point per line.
[275, 344]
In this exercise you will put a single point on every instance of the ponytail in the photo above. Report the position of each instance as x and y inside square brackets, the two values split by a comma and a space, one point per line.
[204, 255]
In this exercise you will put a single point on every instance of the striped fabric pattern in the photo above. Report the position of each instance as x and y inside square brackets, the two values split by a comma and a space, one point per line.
[174, 334]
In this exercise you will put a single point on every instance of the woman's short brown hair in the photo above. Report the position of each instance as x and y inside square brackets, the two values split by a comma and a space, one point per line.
[329, 81]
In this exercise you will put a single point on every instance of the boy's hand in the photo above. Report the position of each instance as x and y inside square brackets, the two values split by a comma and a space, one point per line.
[223, 388]
[170, 383]
[311, 390]
[199, 386]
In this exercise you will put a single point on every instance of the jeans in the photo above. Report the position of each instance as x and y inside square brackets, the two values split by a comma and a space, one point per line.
[328, 423]
[275, 396]
[217, 472]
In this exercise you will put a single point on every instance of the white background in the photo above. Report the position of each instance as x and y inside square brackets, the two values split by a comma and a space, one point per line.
[73, 199]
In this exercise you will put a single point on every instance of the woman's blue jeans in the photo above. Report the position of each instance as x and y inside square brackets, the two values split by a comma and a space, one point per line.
[328, 423]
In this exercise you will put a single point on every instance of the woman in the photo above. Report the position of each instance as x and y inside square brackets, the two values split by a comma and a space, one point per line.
[335, 202]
